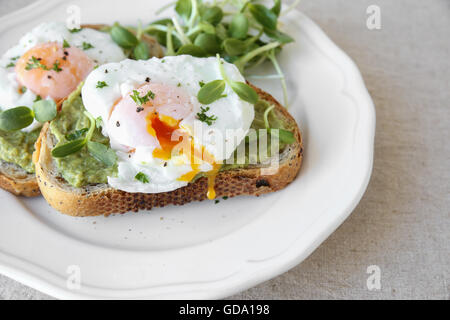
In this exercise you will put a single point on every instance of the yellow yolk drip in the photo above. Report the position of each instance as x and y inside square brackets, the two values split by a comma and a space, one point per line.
[211, 194]
[163, 127]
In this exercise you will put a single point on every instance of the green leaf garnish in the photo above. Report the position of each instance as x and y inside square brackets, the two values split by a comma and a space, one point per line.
[265, 17]
[201, 30]
[235, 47]
[68, 148]
[192, 50]
[285, 136]
[76, 135]
[206, 27]
[66, 44]
[277, 7]
[238, 26]
[75, 145]
[245, 92]
[142, 100]
[44, 110]
[102, 153]
[203, 117]
[123, 37]
[16, 118]
[142, 177]
[278, 36]
[184, 8]
[213, 15]
[101, 84]
[141, 51]
[208, 42]
[87, 46]
[211, 91]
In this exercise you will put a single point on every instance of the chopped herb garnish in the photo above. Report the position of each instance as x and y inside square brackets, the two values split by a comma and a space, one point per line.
[74, 30]
[101, 84]
[217, 201]
[66, 44]
[225, 198]
[77, 134]
[38, 98]
[87, 46]
[35, 63]
[203, 117]
[56, 66]
[142, 177]
[10, 65]
[141, 100]
[179, 84]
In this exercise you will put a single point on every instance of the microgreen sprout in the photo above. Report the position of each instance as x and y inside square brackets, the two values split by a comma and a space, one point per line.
[244, 32]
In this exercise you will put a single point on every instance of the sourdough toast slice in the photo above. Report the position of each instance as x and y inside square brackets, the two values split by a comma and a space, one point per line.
[20, 183]
[101, 199]
[17, 181]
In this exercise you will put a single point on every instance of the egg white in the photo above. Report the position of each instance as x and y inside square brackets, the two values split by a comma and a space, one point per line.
[186, 72]
[104, 50]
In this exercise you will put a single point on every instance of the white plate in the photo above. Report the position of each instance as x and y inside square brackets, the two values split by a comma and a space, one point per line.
[203, 250]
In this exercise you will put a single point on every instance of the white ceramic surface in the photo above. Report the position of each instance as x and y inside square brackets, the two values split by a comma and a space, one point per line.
[204, 250]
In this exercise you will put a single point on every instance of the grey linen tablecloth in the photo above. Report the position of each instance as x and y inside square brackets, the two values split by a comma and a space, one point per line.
[402, 224]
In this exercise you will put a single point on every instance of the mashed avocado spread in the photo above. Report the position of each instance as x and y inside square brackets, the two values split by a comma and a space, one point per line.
[17, 147]
[78, 169]
[81, 169]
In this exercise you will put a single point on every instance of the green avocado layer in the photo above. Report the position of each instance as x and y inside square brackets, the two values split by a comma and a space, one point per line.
[78, 169]
[276, 121]
[81, 169]
[17, 147]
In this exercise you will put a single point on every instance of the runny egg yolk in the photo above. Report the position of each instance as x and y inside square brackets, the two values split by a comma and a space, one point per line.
[151, 116]
[163, 127]
[50, 70]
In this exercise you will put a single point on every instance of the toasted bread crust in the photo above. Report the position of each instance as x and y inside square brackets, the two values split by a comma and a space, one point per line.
[26, 185]
[105, 200]
[20, 185]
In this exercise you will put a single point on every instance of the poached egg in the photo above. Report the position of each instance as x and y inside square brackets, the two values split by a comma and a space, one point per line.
[150, 112]
[49, 62]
